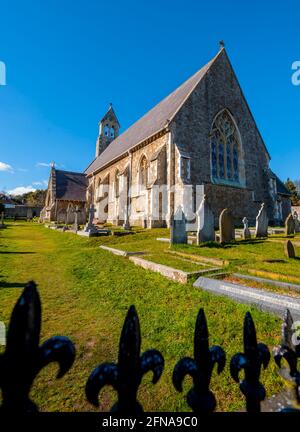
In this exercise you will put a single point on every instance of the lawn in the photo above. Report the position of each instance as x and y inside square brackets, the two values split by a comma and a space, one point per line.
[86, 292]
[261, 255]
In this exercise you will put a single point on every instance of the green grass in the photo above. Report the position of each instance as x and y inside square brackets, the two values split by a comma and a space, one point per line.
[243, 255]
[85, 295]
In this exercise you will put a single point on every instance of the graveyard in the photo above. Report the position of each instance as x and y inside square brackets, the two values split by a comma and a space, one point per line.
[87, 283]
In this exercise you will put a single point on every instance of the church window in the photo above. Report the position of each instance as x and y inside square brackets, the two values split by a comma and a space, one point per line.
[225, 149]
[112, 132]
[143, 172]
[221, 161]
[106, 130]
[214, 159]
[236, 163]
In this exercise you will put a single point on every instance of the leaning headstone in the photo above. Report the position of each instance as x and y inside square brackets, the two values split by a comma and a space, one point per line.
[289, 249]
[262, 222]
[296, 222]
[226, 225]
[206, 222]
[246, 231]
[289, 225]
[178, 233]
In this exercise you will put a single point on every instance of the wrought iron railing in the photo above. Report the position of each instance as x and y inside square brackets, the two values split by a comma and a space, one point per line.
[24, 357]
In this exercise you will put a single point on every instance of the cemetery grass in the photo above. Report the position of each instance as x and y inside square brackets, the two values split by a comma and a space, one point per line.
[261, 254]
[86, 293]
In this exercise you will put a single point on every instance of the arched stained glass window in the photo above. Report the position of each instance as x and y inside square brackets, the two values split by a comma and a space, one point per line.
[214, 159]
[225, 149]
[229, 161]
[221, 160]
[236, 163]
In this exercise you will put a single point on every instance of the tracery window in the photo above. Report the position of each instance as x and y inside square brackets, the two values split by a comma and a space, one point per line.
[225, 149]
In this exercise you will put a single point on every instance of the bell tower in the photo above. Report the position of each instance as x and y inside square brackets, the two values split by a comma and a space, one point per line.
[109, 127]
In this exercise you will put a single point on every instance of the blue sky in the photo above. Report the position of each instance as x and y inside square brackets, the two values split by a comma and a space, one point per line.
[67, 60]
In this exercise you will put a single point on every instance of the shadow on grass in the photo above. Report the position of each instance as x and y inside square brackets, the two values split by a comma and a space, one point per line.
[216, 245]
[16, 253]
[12, 285]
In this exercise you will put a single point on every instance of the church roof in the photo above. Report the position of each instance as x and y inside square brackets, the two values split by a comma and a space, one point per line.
[151, 123]
[70, 186]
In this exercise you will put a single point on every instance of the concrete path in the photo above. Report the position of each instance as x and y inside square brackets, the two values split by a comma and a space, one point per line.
[262, 299]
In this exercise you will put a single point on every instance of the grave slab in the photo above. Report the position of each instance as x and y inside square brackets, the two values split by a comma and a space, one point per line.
[262, 299]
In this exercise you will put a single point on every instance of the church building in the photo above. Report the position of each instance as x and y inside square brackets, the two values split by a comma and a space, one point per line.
[201, 139]
[66, 192]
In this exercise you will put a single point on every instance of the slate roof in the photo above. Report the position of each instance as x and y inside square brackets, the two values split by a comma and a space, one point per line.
[151, 123]
[70, 186]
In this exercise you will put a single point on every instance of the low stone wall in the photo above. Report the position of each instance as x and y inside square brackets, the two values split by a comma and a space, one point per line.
[22, 212]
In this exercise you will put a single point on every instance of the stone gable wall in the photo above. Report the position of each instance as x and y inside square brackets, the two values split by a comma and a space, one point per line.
[191, 133]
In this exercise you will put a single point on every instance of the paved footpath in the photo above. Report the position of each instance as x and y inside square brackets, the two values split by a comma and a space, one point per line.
[262, 299]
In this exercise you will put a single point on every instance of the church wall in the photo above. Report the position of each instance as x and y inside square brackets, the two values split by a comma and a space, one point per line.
[140, 202]
[191, 134]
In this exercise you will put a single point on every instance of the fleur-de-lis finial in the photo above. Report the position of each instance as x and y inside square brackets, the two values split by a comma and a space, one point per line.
[126, 376]
[289, 350]
[254, 357]
[200, 398]
[24, 358]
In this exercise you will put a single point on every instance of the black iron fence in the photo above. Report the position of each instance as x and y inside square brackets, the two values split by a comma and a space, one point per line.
[24, 357]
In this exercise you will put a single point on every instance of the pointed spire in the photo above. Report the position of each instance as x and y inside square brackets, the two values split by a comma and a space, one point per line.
[222, 44]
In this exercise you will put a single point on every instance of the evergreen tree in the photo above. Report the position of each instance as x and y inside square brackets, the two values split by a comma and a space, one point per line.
[293, 190]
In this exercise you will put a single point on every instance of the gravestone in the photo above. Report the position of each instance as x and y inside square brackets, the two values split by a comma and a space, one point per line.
[289, 249]
[296, 222]
[2, 220]
[75, 225]
[69, 212]
[178, 227]
[206, 222]
[90, 227]
[90, 230]
[226, 225]
[246, 231]
[262, 222]
[289, 225]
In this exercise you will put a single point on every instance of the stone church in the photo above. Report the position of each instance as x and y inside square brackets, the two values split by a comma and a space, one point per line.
[201, 139]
